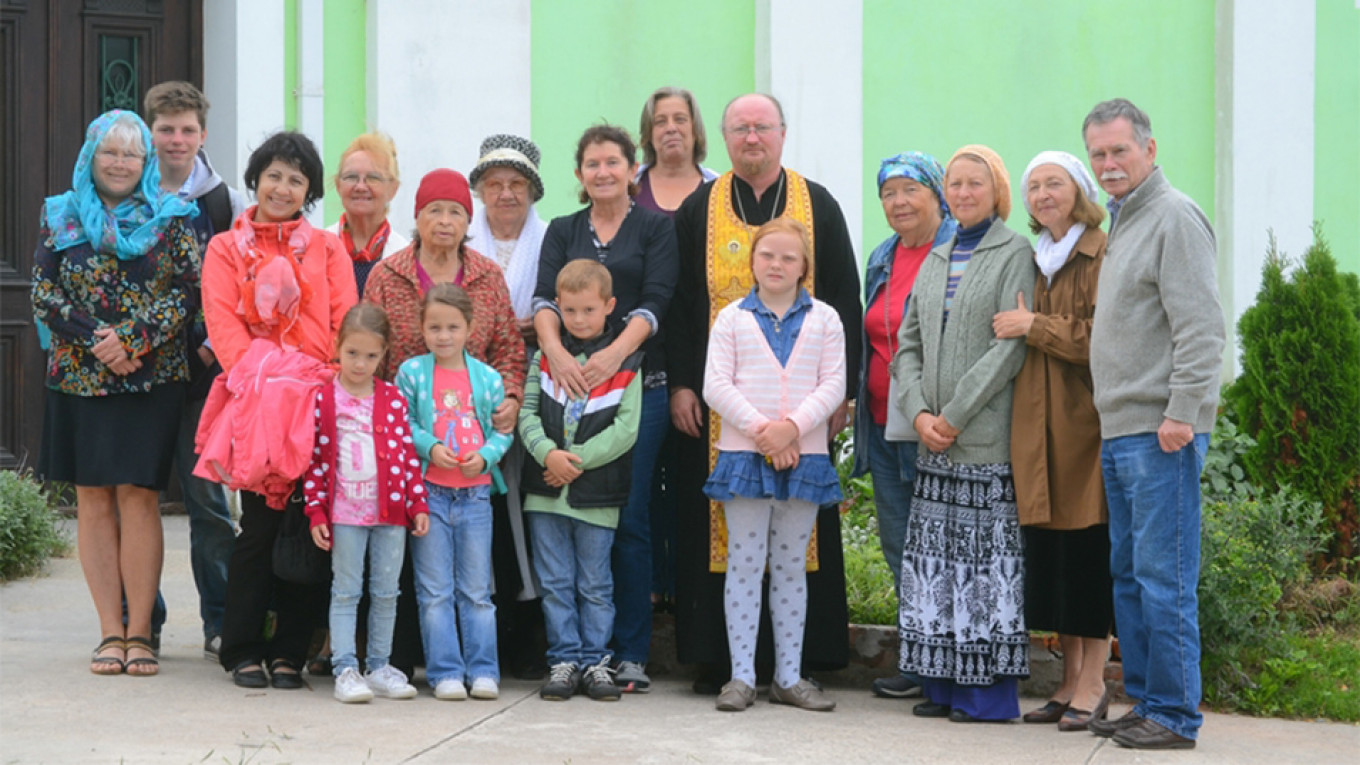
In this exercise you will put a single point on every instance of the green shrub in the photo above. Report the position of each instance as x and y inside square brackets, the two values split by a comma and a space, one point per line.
[1224, 479]
[869, 592]
[1299, 393]
[1252, 552]
[29, 534]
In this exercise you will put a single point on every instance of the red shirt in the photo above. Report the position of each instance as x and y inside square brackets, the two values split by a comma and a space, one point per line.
[456, 425]
[883, 318]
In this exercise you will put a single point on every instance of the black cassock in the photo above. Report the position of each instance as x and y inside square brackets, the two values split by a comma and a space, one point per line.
[701, 635]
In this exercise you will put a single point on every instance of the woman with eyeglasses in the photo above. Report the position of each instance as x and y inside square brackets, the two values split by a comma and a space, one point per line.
[367, 181]
[114, 279]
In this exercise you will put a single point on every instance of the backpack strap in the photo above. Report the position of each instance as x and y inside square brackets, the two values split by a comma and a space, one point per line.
[217, 204]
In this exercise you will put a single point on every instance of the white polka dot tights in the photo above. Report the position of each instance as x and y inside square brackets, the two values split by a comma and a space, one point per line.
[780, 528]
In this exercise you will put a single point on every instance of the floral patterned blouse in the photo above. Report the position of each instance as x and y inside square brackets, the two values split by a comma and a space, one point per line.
[146, 301]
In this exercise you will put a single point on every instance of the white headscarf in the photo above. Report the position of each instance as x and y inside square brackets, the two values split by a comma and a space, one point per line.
[521, 275]
[1049, 255]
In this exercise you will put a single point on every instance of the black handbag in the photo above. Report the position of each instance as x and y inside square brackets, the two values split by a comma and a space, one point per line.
[297, 559]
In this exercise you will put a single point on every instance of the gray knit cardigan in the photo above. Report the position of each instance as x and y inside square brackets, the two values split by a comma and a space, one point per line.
[959, 368]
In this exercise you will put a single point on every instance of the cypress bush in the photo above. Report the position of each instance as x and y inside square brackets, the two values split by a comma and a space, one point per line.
[1298, 395]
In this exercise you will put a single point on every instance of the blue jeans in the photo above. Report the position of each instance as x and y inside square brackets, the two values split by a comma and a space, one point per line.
[212, 535]
[632, 558]
[386, 548]
[453, 586]
[892, 466]
[572, 560]
[1154, 501]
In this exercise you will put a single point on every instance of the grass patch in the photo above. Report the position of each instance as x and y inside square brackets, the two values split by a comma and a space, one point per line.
[1293, 675]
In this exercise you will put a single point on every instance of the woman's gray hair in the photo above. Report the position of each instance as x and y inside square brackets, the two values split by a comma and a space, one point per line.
[125, 132]
[1109, 111]
[649, 114]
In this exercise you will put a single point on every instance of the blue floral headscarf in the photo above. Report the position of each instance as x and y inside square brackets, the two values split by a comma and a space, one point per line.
[135, 225]
[918, 166]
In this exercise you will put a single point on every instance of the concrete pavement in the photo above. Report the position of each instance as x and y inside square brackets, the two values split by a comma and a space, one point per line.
[53, 710]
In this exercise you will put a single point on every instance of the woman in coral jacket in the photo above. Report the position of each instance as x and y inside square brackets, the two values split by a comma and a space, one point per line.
[275, 277]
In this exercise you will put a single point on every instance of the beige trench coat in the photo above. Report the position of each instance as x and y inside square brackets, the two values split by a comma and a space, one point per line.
[1055, 431]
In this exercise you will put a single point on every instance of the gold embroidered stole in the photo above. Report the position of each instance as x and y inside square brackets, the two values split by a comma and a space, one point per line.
[730, 280]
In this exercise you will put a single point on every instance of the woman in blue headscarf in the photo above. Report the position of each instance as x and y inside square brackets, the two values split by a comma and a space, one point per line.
[911, 188]
[114, 280]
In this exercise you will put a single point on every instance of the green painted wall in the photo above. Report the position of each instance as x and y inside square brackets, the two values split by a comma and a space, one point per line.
[600, 60]
[290, 64]
[1023, 76]
[1336, 170]
[346, 102]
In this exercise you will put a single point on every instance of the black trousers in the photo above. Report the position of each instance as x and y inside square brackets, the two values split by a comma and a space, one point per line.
[252, 590]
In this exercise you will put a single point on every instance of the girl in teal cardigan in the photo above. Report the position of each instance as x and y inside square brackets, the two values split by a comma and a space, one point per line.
[450, 396]
[415, 381]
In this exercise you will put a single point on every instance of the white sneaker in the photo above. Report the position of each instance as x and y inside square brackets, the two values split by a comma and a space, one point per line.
[451, 689]
[485, 688]
[391, 683]
[350, 688]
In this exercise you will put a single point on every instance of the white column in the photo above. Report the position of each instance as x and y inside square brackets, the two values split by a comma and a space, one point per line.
[815, 69]
[1265, 141]
[311, 91]
[243, 57]
[442, 76]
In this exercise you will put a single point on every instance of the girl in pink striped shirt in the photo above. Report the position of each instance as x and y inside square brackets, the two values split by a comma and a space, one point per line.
[775, 373]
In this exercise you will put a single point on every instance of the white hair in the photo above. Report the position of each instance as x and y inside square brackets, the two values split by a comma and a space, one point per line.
[125, 133]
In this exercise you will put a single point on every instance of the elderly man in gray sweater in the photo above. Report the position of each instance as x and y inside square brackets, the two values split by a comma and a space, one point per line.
[1156, 355]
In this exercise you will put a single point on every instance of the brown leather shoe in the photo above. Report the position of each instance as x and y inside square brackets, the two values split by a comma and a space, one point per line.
[803, 695]
[1080, 719]
[736, 696]
[1150, 734]
[1107, 728]
[1048, 713]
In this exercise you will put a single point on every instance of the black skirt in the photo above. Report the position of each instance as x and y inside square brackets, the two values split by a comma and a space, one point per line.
[128, 438]
[1068, 589]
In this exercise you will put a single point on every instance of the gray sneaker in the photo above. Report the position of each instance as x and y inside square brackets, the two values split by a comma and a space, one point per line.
[212, 648]
[631, 677]
[562, 681]
[598, 683]
[896, 687]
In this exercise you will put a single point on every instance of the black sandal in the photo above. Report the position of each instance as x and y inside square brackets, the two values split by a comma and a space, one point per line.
[245, 677]
[150, 662]
[284, 675]
[114, 665]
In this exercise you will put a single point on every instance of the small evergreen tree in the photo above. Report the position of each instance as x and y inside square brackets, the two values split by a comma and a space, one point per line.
[1299, 392]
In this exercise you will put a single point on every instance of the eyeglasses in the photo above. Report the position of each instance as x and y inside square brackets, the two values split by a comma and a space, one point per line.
[761, 130]
[113, 157]
[494, 188]
[372, 179]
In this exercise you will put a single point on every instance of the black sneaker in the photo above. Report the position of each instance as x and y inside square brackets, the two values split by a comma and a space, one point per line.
[598, 682]
[562, 681]
[896, 687]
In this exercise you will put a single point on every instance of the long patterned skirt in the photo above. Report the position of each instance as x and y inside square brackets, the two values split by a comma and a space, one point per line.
[962, 614]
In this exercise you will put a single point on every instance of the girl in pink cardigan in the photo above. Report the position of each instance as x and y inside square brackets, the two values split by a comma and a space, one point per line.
[775, 373]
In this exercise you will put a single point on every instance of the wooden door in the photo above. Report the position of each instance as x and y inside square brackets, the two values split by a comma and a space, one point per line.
[62, 63]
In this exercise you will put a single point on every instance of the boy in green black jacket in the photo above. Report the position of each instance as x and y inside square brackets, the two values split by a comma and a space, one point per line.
[584, 446]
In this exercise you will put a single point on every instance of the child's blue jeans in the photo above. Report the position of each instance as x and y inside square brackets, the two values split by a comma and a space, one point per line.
[572, 561]
[452, 565]
[386, 548]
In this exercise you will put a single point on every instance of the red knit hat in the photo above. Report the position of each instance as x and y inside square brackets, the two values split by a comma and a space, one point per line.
[444, 184]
